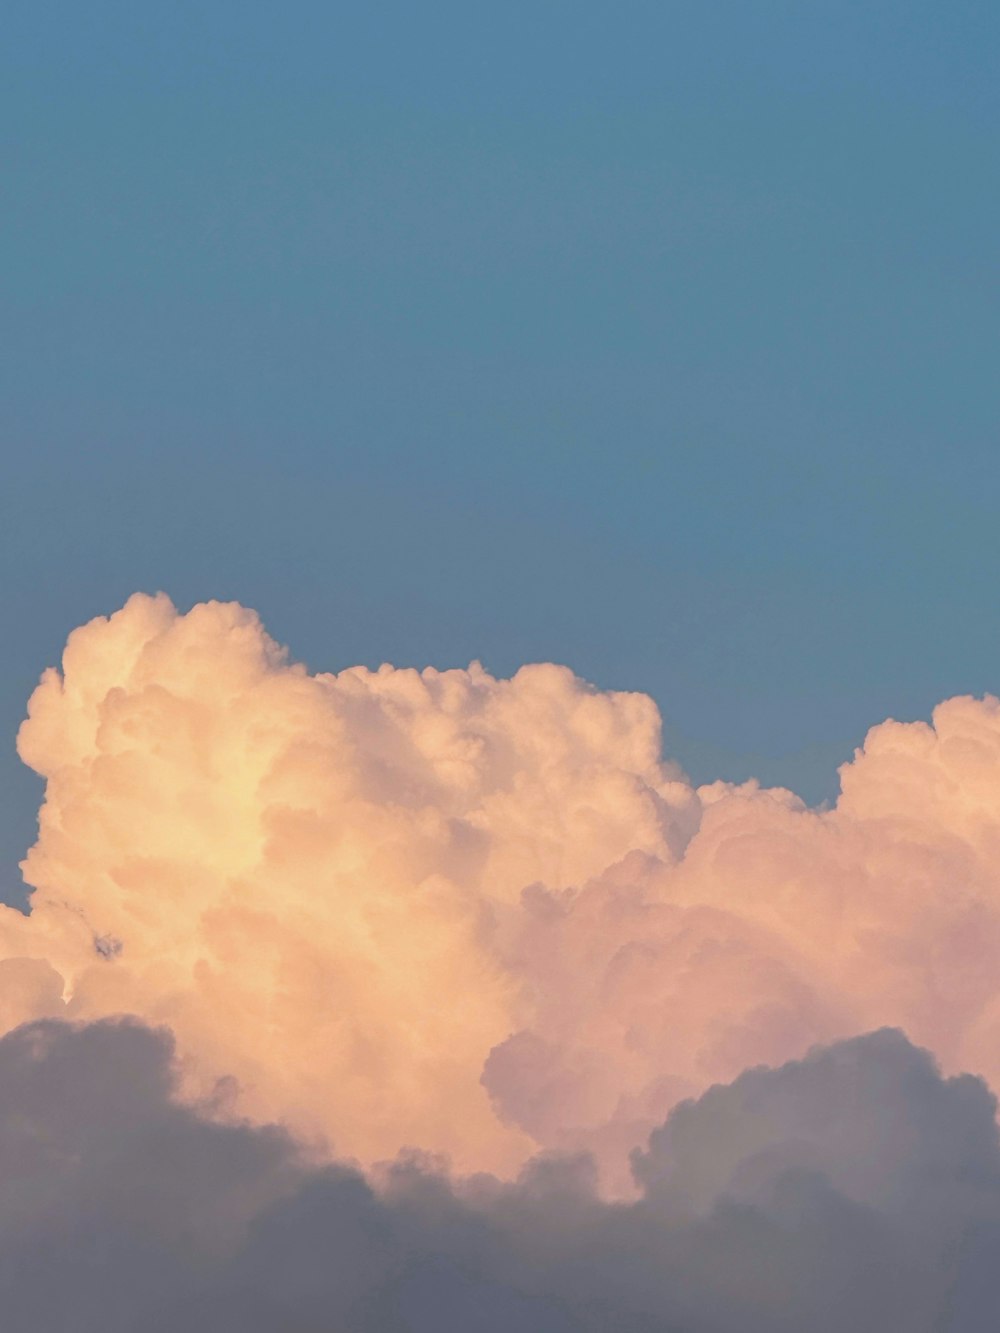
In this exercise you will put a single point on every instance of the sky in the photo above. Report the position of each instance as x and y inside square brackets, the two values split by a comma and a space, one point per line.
[655, 339]
[503, 498]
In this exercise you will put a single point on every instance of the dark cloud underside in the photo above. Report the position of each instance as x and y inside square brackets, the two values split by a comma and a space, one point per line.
[856, 1189]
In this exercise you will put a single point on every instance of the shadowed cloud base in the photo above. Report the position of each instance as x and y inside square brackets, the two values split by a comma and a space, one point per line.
[855, 1189]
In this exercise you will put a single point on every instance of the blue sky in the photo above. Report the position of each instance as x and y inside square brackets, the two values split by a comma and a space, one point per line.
[658, 339]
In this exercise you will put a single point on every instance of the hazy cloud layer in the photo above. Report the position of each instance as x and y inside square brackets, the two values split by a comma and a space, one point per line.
[471, 915]
[854, 1190]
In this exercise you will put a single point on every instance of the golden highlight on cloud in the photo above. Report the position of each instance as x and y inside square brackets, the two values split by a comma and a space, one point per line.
[477, 916]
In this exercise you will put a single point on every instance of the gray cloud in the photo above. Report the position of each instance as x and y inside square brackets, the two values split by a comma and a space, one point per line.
[856, 1189]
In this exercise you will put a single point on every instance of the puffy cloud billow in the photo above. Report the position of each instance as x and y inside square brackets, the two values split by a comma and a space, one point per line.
[485, 921]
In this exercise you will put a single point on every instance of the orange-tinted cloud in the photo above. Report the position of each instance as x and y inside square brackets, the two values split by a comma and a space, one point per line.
[475, 915]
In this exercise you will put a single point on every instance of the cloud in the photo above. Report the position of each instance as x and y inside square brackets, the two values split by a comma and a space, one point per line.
[474, 916]
[855, 1189]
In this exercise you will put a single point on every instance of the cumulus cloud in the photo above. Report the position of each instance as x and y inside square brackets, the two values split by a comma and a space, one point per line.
[477, 916]
[854, 1189]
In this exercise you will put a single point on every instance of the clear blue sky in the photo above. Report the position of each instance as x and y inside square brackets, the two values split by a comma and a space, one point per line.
[655, 338]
